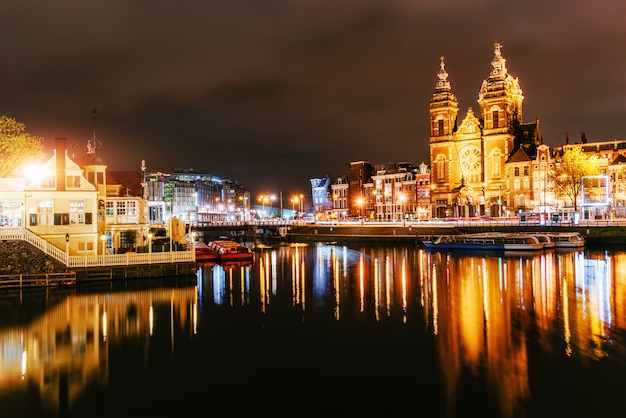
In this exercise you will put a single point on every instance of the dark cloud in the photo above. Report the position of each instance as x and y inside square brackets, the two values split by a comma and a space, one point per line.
[274, 92]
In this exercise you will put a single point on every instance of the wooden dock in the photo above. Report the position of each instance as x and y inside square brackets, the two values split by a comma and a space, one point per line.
[20, 281]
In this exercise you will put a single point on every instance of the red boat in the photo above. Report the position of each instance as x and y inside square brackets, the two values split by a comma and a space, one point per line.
[229, 250]
[204, 253]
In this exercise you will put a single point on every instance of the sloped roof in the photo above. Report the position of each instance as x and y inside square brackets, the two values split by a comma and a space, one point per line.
[620, 159]
[519, 156]
[527, 137]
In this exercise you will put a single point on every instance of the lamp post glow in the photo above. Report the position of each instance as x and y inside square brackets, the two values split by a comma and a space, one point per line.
[401, 199]
[67, 247]
[359, 203]
[264, 200]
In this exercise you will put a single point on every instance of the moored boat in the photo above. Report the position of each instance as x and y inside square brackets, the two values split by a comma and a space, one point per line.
[567, 239]
[546, 240]
[204, 253]
[229, 250]
[485, 242]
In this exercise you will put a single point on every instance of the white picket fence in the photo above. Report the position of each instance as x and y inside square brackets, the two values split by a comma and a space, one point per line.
[95, 260]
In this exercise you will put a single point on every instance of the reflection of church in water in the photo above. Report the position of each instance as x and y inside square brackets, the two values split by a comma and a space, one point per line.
[486, 164]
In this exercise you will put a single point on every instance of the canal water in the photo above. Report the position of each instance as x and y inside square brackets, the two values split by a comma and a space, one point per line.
[321, 330]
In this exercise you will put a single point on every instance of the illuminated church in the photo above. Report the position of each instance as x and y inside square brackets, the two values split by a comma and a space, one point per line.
[491, 164]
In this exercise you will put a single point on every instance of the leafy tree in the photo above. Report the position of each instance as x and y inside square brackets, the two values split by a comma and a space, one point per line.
[570, 169]
[130, 236]
[17, 147]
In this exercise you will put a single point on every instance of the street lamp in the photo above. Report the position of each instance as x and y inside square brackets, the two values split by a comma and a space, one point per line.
[265, 199]
[359, 203]
[401, 199]
[67, 246]
[483, 202]
[294, 200]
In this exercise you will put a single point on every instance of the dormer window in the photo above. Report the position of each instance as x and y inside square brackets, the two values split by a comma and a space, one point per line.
[73, 182]
[48, 182]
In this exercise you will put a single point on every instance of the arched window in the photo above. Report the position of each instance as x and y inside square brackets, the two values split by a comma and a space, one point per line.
[496, 164]
[495, 117]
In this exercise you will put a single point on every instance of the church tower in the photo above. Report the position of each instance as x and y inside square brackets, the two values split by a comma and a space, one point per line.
[444, 109]
[500, 103]
[468, 160]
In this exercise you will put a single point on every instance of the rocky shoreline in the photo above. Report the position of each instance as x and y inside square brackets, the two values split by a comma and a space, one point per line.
[20, 257]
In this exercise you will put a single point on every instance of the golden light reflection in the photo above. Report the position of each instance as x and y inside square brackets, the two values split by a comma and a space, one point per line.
[362, 283]
[404, 290]
[73, 338]
[336, 284]
[376, 289]
[567, 334]
[104, 326]
[151, 321]
[388, 280]
[24, 362]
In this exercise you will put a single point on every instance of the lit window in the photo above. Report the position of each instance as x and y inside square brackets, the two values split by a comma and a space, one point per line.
[77, 211]
[45, 213]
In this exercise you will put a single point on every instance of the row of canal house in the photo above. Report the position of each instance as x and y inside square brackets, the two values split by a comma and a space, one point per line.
[76, 204]
[395, 192]
[399, 191]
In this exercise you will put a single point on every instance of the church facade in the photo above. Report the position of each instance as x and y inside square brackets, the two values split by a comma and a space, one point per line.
[491, 163]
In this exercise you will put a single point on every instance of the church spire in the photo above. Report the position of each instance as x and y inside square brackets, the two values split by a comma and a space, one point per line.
[498, 63]
[444, 106]
[442, 75]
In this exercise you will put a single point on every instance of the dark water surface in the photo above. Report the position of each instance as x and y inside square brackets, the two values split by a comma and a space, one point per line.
[328, 330]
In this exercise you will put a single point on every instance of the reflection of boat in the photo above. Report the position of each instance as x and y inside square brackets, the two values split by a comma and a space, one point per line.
[235, 264]
[484, 241]
[204, 253]
[229, 250]
[567, 239]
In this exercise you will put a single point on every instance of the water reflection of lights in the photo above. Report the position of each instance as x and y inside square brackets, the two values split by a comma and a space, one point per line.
[477, 293]
[73, 337]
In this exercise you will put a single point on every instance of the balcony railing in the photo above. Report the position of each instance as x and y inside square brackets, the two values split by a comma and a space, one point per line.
[95, 260]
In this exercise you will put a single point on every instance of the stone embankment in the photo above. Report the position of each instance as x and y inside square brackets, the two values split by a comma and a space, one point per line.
[19, 257]
[602, 235]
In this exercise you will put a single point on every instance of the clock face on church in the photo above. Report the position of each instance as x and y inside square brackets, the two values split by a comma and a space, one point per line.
[470, 159]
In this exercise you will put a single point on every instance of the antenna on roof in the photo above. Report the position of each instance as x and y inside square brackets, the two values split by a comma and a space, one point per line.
[93, 145]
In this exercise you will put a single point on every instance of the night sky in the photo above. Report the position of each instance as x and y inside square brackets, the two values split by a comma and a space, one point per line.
[274, 92]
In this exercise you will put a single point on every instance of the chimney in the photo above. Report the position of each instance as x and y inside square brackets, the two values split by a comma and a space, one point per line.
[60, 162]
